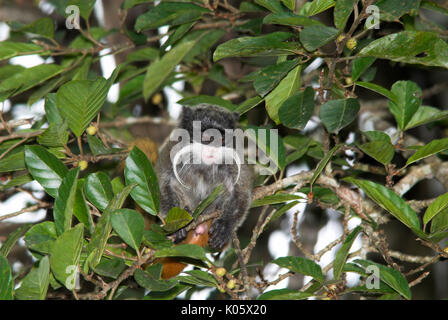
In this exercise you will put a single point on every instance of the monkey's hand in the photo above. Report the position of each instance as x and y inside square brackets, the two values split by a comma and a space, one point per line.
[220, 234]
[179, 235]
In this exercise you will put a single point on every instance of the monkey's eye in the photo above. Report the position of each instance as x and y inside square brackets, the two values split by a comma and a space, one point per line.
[206, 139]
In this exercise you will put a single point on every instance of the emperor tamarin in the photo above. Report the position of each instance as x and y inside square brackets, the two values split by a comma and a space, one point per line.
[190, 171]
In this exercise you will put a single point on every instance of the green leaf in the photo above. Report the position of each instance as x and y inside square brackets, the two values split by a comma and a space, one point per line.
[139, 170]
[167, 295]
[297, 110]
[35, 284]
[111, 268]
[117, 185]
[80, 208]
[41, 237]
[129, 224]
[65, 255]
[169, 13]
[301, 265]
[248, 105]
[64, 202]
[178, 34]
[156, 240]
[428, 150]
[439, 226]
[29, 78]
[104, 227]
[390, 201]
[14, 160]
[271, 149]
[416, 47]
[267, 45]
[390, 276]
[424, 115]
[438, 206]
[409, 99]
[10, 49]
[79, 102]
[9, 70]
[271, 5]
[45, 168]
[147, 281]
[269, 77]
[217, 101]
[342, 254]
[184, 250]
[428, 4]
[43, 27]
[56, 135]
[17, 181]
[177, 218]
[285, 89]
[6, 280]
[377, 136]
[99, 189]
[360, 65]
[274, 199]
[383, 288]
[323, 163]
[202, 277]
[12, 239]
[97, 147]
[342, 11]
[378, 89]
[207, 201]
[337, 114]
[289, 19]
[284, 294]
[392, 10]
[51, 110]
[314, 37]
[381, 151]
[159, 70]
[290, 4]
[281, 211]
[316, 7]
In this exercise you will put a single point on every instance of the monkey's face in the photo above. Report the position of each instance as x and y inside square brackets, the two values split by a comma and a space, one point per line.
[210, 140]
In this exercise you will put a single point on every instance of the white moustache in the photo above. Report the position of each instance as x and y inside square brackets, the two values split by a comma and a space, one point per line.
[195, 148]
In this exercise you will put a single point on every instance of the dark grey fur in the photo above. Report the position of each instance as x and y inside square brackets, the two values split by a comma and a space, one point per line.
[203, 179]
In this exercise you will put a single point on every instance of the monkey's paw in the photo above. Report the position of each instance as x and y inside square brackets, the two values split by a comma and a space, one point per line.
[220, 233]
[179, 235]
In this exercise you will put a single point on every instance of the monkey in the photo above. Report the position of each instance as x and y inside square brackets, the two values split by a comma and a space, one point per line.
[189, 172]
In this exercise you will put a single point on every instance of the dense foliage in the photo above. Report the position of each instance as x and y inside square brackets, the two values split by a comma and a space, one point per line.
[296, 66]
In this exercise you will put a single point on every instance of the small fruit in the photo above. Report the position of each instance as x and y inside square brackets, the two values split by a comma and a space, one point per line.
[83, 164]
[157, 98]
[91, 130]
[349, 80]
[231, 284]
[351, 44]
[220, 272]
